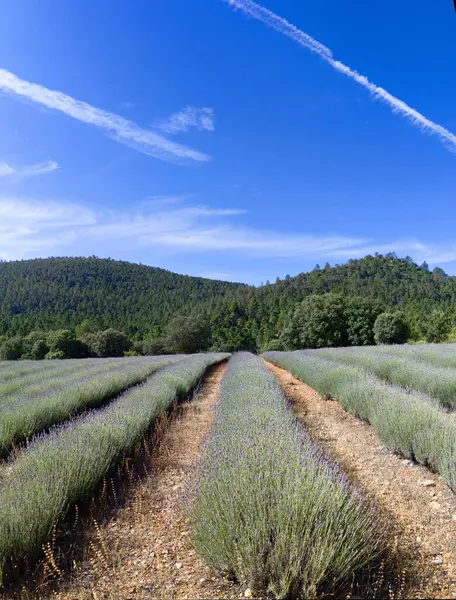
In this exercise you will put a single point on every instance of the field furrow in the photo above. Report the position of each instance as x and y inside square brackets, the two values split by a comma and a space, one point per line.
[151, 554]
[66, 465]
[30, 413]
[438, 383]
[417, 506]
[407, 423]
[268, 507]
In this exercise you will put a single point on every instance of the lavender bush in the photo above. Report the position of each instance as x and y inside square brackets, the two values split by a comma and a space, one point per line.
[437, 382]
[60, 468]
[267, 506]
[30, 409]
[409, 424]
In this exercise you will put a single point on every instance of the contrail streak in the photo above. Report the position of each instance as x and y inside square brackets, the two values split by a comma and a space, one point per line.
[303, 39]
[124, 131]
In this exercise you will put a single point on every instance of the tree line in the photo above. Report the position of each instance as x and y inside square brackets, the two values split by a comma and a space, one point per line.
[64, 306]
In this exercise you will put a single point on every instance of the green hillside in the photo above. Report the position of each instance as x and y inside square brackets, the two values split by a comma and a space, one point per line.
[57, 293]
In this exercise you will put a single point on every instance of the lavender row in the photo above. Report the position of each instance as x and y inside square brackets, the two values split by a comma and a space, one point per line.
[267, 506]
[45, 380]
[407, 423]
[30, 414]
[438, 383]
[65, 466]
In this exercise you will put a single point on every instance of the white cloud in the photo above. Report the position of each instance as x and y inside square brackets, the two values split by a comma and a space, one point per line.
[191, 117]
[6, 170]
[117, 127]
[28, 170]
[303, 39]
[31, 228]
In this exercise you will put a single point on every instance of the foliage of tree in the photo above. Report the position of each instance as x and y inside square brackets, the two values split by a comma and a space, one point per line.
[88, 295]
[38, 351]
[11, 349]
[317, 322]
[62, 343]
[390, 328]
[187, 335]
[107, 343]
[62, 293]
[437, 327]
[360, 315]
[153, 347]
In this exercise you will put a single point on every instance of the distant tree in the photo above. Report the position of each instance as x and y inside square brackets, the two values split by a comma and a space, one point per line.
[108, 343]
[317, 322]
[63, 344]
[39, 350]
[35, 346]
[11, 349]
[138, 347]
[273, 345]
[154, 347]
[187, 335]
[391, 328]
[87, 326]
[360, 315]
[437, 328]
[232, 328]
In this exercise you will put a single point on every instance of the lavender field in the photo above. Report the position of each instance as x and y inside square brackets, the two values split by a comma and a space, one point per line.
[407, 393]
[61, 465]
[267, 506]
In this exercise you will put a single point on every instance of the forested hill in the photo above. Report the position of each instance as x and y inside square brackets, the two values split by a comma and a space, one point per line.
[140, 300]
[57, 293]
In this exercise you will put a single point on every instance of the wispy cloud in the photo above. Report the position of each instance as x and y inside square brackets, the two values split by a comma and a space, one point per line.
[191, 117]
[6, 170]
[303, 39]
[116, 127]
[31, 228]
[23, 172]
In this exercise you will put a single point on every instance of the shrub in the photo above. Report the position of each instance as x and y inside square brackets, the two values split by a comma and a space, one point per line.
[317, 322]
[65, 466]
[437, 328]
[407, 423]
[187, 335]
[267, 506]
[63, 344]
[438, 383]
[11, 349]
[390, 328]
[107, 343]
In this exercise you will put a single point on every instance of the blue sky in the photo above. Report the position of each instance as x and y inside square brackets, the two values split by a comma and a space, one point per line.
[194, 137]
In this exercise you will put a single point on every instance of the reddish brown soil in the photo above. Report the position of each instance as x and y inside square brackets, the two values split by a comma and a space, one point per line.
[146, 551]
[419, 507]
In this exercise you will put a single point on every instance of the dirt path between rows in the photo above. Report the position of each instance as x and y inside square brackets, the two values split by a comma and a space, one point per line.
[419, 506]
[147, 548]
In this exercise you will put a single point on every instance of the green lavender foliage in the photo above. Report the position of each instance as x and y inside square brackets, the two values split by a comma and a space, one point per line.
[437, 382]
[39, 400]
[267, 506]
[61, 468]
[409, 424]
